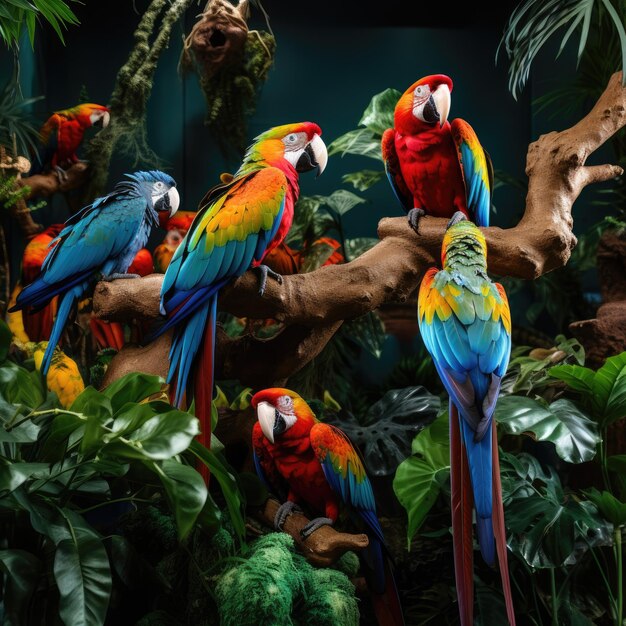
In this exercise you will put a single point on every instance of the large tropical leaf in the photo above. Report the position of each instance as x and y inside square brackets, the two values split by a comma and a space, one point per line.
[573, 433]
[21, 570]
[613, 509]
[419, 478]
[363, 179]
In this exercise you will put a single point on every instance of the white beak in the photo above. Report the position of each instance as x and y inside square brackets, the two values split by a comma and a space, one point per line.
[319, 152]
[174, 200]
[442, 99]
[267, 416]
[106, 118]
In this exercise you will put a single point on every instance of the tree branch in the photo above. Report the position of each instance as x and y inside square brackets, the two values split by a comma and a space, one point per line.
[391, 270]
[46, 185]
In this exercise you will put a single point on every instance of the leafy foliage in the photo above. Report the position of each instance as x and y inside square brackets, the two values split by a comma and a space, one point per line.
[534, 22]
[17, 14]
[17, 129]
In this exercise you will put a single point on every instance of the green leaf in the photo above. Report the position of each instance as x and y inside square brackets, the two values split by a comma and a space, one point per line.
[360, 142]
[419, 478]
[92, 403]
[13, 475]
[316, 256]
[378, 116]
[576, 377]
[63, 427]
[363, 179]
[26, 432]
[5, 340]
[185, 491]
[83, 576]
[356, 246]
[548, 526]
[609, 387]
[228, 485]
[161, 437]
[574, 435]
[131, 416]
[609, 506]
[133, 387]
[21, 575]
[342, 201]
[24, 388]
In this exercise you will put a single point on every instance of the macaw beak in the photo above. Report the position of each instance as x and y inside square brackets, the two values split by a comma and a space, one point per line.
[266, 414]
[315, 156]
[168, 202]
[442, 99]
[174, 199]
[100, 120]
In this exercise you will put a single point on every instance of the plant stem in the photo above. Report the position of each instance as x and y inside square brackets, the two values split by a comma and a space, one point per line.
[603, 463]
[619, 562]
[554, 598]
[125, 499]
[10, 426]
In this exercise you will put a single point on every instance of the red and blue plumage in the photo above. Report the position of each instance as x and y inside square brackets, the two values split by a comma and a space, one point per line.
[432, 164]
[238, 223]
[100, 240]
[465, 323]
[310, 463]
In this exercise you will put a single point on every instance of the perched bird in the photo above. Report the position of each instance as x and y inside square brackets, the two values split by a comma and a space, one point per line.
[465, 323]
[176, 227]
[306, 462]
[63, 377]
[142, 263]
[436, 167]
[237, 224]
[62, 134]
[101, 240]
[38, 324]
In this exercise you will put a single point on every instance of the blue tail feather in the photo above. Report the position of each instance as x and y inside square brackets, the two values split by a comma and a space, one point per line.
[63, 312]
[486, 539]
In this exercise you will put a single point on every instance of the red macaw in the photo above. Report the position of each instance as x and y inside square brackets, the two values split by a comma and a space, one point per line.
[38, 324]
[314, 464]
[239, 222]
[465, 323]
[435, 167]
[176, 227]
[62, 134]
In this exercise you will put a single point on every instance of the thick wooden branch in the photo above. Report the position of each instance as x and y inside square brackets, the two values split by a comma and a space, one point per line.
[46, 185]
[324, 546]
[391, 270]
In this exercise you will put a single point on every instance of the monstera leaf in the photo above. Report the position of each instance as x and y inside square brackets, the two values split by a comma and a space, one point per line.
[547, 526]
[574, 435]
[384, 435]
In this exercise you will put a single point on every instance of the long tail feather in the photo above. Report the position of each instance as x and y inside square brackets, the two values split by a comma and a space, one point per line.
[462, 503]
[65, 308]
[500, 532]
[384, 593]
[203, 384]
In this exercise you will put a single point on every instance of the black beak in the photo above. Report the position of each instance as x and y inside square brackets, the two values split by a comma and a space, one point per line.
[163, 203]
[431, 115]
[280, 426]
[307, 161]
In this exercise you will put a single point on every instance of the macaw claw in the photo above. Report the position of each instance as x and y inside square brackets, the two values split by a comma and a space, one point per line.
[414, 217]
[314, 524]
[61, 174]
[116, 276]
[284, 511]
[459, 216]
[264, 272]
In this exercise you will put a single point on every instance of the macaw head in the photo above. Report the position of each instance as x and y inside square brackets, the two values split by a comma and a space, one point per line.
[159, 189]
[299, 144]
[278, 410]
[91, 114]
[424, 105]
[465, 242]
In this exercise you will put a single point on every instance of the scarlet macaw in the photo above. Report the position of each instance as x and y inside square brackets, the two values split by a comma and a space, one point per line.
[465, 323]
[62, 134]
[436, 167]
[314, 464]
[238, 223]
[102, 239]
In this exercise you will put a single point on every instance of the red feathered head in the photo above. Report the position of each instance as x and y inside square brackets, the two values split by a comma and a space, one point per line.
[278, 410]
[424, 105]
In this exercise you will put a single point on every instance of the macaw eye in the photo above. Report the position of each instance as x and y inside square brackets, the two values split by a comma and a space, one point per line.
[418, 91]
[291, 139]
[159, 185]
[285, 404]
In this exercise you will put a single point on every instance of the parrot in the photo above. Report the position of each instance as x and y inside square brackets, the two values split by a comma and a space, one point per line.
[238, 223]
[101, 240]
[62, 134]
[176, 228]
[436, 167]
[465, 322]
[314, 464]
[38, 325]
[63, 377]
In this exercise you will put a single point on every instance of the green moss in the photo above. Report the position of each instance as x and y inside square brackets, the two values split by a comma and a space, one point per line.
[348, 564]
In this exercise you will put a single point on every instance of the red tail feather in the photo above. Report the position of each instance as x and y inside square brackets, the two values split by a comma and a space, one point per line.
[462, 506]
[499, 530]
[387, 606]
[203, 391]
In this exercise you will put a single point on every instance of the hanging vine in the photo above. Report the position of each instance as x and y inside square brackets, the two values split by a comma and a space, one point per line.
[127, 132]
[232, 62]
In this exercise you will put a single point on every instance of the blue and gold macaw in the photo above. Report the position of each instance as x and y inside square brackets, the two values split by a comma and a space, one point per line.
[465, 323]
[100, 241]
[436, 167]
[238, 223]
